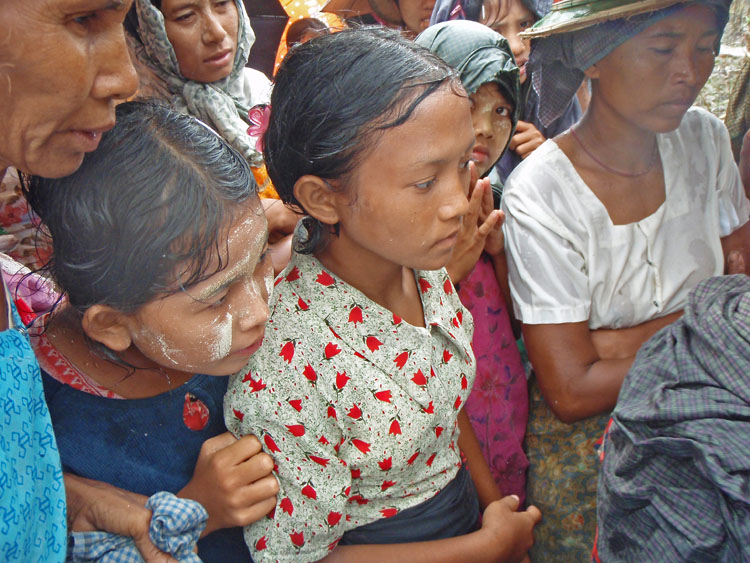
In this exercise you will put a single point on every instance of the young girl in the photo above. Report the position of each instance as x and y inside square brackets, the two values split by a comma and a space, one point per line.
[359, 386]
[498, 404]
[167, 280]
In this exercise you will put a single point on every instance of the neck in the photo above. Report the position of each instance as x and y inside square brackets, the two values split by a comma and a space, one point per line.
[614, 139]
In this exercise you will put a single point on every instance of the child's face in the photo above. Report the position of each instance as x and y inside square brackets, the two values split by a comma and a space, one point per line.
[213, 327]
[416, 14]
[517, 19]
[406, 199]
[490, 116]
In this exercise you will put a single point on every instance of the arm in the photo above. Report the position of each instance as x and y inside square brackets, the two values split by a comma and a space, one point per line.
[487, 489]
[580, 371]
[505, 535]
[233, 482]
[93, 505]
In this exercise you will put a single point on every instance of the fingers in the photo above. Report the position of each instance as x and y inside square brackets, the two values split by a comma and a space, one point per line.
[735, 262]
[220, 442]
[493, 222]
[535, 513]
[474, 175]
[150, 553]
[511, 502]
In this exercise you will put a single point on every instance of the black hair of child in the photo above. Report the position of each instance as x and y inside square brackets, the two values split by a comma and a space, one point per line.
[150, 206]
[331, 98]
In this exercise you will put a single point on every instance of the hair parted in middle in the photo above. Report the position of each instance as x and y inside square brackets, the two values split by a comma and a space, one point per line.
[331, 99]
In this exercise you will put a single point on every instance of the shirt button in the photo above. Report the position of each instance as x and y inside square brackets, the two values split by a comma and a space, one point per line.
[656, 303]
[649, 262]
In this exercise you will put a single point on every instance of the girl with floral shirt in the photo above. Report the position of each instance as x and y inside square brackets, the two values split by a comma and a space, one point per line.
[358, 389]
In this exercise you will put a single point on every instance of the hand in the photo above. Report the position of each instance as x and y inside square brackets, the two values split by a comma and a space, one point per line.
[232, 480]
[475, 230]
[281, 220]
[509, 532]
[526, 139]
[735, 262]
[93, 505]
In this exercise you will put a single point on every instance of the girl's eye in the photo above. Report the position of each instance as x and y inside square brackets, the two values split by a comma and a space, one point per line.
[503, 110]
[85, 20]
[425, 185]
[526, 24]
[183, 17]
[219, 301]
[223, 3]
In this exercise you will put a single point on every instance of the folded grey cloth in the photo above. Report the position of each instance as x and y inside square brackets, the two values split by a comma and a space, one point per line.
[176, 525]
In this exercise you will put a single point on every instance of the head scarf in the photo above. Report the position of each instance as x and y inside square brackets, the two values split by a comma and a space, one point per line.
[212, 103]
[479, 55]
[558, 61]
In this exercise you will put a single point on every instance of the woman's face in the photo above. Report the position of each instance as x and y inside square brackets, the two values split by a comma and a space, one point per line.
[63, 63]
[490, 116]
[203, 34]
[406, 199]
[652, 79]
[416, 14]
[213, 327]
[517, 19]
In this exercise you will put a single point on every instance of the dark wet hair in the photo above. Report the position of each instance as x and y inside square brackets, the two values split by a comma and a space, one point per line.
[332, 98]
[150, 206]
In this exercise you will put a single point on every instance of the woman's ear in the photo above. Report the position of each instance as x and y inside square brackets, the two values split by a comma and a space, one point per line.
[107, 326]
[318, 198]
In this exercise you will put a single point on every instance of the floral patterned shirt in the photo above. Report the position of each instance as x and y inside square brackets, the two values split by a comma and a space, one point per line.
[357, 407]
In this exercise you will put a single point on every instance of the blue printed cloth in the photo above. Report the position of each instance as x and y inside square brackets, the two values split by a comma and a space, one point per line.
[32, 495]
[176, 525]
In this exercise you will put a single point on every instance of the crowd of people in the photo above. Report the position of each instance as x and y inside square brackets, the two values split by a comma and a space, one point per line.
[466, 283]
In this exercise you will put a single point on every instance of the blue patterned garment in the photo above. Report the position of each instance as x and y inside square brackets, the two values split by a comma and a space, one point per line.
[176, 525]
[32, 495]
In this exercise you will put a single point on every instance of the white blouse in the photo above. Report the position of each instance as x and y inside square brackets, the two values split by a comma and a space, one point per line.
[568, 262]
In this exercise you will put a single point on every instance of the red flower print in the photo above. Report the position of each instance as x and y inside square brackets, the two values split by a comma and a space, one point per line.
[332, 412]
[424, 285]
[360, 500]
[319, 460]
[400, 360]
[446, 356]
[334, 333]
[373, 343]
[270, 444]
[396, 319]
[287, 351]
[395, 427]
[413, 458]
[296, 404]
[448, 287]
[386, 464]
[296, 429]
[277, 281]
[464, 382]
[293, 275]
[240, 415]
[387, 485]
[309, 373]
[355, 315]
[432, 372]
[333, 518]
[354, 412]
[297, 538]
[333, 544]
[324, 278]
[287, 506]
[341, 380]
[419, 378]
[331, 350]
[388, 512]
[323, 440]
[255, 386]
[430, 409]
[309, 491]
[438, 431]
[356, 473]
[454, 322]
[359, 355]
[302, 305]
[460, 317]
[384, 396]
[361, 445]
[260, 545]
[430, 460]
[457, 404]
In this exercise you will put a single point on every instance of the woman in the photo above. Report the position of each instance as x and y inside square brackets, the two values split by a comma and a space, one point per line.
[193, 55]
[63, 65]
[609, 227]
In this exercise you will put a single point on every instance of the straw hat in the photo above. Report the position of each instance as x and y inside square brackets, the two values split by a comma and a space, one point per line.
[570, 15]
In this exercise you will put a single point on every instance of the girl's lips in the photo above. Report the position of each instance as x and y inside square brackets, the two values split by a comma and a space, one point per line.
[479, 154]
[250, 350]
[220, 59]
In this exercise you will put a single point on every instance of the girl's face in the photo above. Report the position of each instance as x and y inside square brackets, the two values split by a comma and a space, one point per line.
[490, 115]
[214, 326]
[406, 199]
[203, 34]
[517, 19]
[652, 79]
[63, 64]
[416, 14]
